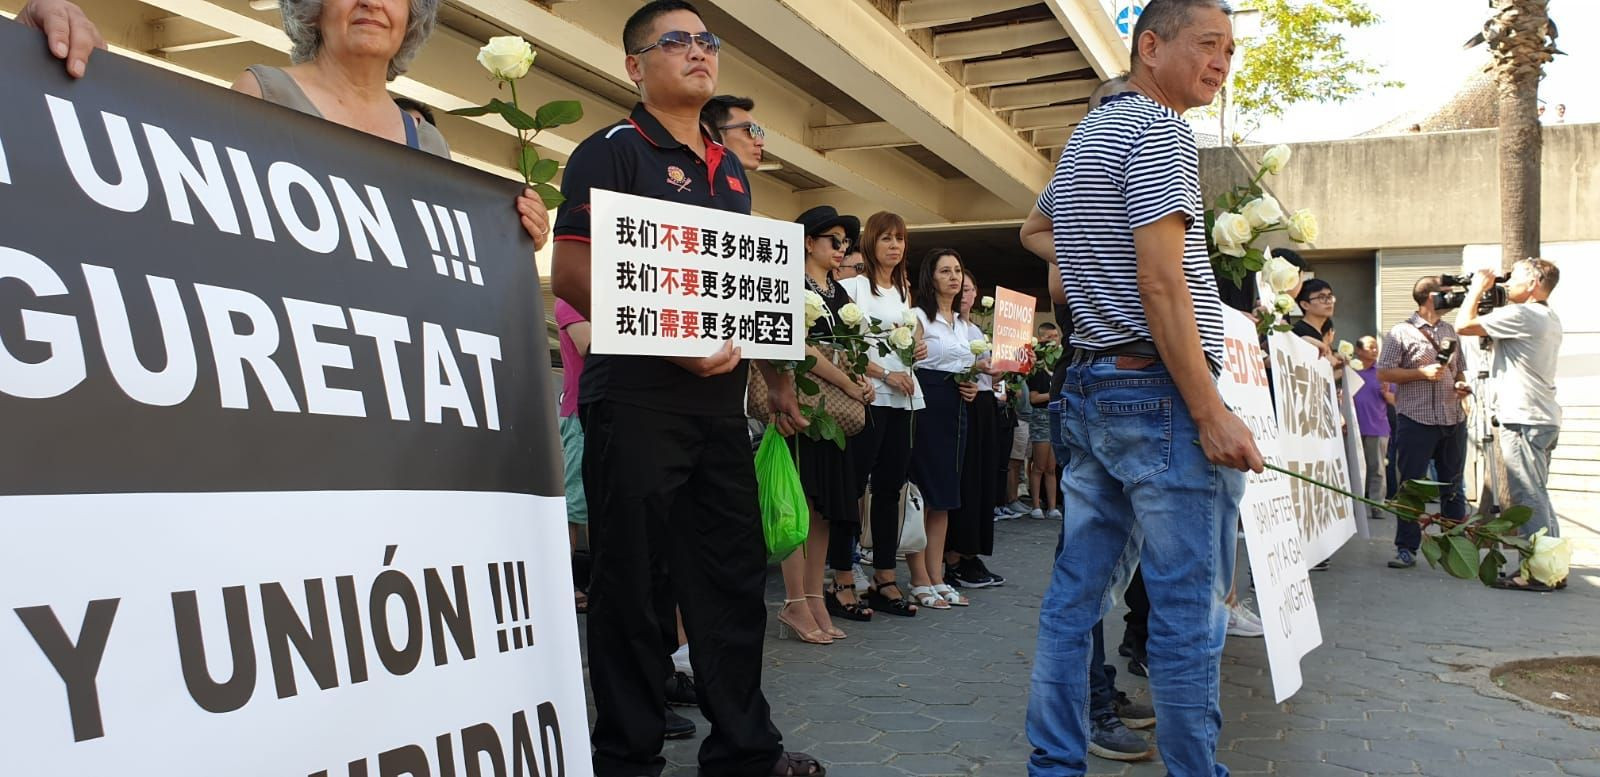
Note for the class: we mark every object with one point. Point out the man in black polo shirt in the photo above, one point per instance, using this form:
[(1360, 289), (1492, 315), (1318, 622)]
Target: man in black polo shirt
[(667, 463)]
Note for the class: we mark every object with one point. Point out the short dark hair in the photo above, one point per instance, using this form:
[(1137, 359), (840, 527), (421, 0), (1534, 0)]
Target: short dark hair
[(1424, 289), (408, 104), (1292, 257), (638, 25), (720, 109), (1043, 325), (1312, 286), (1166, 18)]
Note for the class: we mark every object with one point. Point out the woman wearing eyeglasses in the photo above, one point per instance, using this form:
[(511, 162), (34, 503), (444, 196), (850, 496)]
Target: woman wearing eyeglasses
[(825, 471)]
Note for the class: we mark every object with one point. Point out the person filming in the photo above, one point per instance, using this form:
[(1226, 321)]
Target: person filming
[(1526, 336)]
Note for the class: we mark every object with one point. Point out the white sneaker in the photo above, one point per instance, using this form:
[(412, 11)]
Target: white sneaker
[(1036, 513), (1243, 623), (1054, 515), (861, 583)]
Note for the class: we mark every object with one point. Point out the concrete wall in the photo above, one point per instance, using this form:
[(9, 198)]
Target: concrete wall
[(1421, 190)]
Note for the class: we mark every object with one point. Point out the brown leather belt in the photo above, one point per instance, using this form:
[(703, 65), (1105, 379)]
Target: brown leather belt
[(1144, 349)]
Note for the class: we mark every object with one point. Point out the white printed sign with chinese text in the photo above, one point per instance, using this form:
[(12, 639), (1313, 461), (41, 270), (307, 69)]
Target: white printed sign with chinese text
[(679, 280), (1313, 443)]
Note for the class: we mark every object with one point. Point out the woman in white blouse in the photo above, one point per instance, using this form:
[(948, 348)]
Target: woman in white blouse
[(971, 534), (936, 455), (882, 452)]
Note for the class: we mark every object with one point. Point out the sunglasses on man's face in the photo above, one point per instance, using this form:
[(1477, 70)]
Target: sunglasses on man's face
[(755, 130), (677, 42)]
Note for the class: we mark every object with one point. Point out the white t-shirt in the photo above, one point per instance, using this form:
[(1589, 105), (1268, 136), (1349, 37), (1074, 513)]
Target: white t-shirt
[(887, 308), (1526, 340), (949, 348)]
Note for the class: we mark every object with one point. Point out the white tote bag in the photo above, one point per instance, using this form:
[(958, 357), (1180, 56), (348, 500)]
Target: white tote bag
[(913, 537)]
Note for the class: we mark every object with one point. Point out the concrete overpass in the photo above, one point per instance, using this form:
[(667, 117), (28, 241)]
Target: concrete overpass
[(946, 111)]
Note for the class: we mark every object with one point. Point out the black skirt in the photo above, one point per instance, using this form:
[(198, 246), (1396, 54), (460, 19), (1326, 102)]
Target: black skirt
[(972, 526), (828, 478), (936, 456)]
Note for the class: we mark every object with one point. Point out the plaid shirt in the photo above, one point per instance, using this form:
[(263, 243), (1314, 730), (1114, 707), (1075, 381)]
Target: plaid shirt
[(1406, 347)]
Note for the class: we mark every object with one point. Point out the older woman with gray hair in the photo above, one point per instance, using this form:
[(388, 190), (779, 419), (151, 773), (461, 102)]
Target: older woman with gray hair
[(345, 53)]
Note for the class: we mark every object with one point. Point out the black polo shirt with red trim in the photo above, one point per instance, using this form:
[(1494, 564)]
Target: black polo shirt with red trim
[(638, 156)]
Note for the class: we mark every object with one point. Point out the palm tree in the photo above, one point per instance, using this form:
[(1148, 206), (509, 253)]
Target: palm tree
[(1521, 38)]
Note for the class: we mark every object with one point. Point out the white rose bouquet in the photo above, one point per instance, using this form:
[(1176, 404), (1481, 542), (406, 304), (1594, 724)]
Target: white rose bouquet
[(1245, 214), (508, 58)]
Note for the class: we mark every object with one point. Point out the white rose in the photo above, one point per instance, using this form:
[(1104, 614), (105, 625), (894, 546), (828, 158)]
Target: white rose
[(815, 307), (850, 314), (979, 346), (1550, 559), (1034, 342), (1357, 365), (987, 302), (506, 57), (1346, 350), (908, 317), (1303, 227), (1282, 274), (1284, 303), (902, 337), (1262, 212), (1276, 159), (1231, 232)]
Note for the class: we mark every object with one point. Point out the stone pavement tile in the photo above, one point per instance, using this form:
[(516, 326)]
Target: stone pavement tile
[(957, 713), (837, 732), (1506, 761), (853, 753), (1002, 769), (899, 721), (1242, 763), (1578, 745), (1580, 768), (1315, 769), (927, 765), (1322, 741), (890, 703), (1419, 750), (916, 742)]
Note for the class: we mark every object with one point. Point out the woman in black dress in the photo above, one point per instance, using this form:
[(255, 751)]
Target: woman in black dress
[(825, 471)]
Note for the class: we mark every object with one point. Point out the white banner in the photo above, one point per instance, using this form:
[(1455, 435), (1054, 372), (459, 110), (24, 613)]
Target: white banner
[(1271, 533), (1313, 444), (679, 280), (289, 634)]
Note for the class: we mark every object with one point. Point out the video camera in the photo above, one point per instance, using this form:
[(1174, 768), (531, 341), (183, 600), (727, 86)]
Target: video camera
[(1493, 297)]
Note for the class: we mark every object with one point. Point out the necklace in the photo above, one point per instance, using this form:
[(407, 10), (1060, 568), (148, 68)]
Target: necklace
[(814, 286)]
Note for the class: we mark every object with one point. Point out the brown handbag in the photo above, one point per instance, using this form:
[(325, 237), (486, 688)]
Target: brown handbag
[(848, 411)]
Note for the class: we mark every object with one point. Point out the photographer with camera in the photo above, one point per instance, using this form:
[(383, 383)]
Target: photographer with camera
[(1421, 355), (1527, 337)]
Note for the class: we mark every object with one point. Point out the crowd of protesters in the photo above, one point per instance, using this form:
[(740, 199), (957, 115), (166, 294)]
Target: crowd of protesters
[(658, 450)]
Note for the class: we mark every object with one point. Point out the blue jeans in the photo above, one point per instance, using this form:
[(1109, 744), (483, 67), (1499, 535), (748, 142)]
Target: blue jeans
[(1417, 445), (1102, 676), (1526, 450), (1136, 481)]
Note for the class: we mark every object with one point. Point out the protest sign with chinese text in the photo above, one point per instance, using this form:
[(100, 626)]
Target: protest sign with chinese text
[(1272, 535), (1313, 443), (282, 484), (679, 280), (1013, 327)]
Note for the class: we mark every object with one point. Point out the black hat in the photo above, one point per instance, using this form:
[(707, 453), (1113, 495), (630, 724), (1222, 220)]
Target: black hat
[(823, 218)]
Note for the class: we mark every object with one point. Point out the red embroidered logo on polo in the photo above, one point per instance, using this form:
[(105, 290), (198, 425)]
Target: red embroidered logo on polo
[(678, 178)]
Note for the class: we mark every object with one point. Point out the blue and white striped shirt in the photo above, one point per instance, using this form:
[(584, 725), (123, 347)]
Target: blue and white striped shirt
[(1130, 163)]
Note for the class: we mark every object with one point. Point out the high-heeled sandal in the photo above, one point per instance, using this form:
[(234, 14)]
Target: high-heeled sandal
[(838, 608), (881, 602), (830, 630), (815, 636), (927, 598)]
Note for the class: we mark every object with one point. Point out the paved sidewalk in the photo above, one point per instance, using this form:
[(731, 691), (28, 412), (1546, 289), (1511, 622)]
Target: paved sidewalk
[(1393, 689)]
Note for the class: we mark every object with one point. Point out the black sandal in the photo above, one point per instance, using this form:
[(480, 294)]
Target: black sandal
[(896, 606), (1518, 584), (798, 765), (853, 611)]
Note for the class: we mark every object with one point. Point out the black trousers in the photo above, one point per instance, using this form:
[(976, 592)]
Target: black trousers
[(882, 451), (679, 492)]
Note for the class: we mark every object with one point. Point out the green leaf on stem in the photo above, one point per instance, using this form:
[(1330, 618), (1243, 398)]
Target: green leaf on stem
[(1519, 543), (477, 110), (1432, 552), (551, 196), (806, 385), (556, 113), (1462, 559), (544, 170), (514, 115), (1517, 515), (526, 162), (1497, 526), (1489, 567)]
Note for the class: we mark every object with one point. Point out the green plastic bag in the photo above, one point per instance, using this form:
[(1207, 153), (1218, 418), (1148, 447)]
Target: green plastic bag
[(785, 519)]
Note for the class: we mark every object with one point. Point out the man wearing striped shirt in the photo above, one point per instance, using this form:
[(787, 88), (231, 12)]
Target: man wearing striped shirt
[(1157, 459)]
